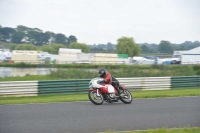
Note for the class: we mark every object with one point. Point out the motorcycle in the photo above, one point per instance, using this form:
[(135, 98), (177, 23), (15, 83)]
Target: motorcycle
[(99, 93)]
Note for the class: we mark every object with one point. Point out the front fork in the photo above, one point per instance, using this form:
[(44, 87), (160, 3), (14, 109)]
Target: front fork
[(96, 90), (98, 93)]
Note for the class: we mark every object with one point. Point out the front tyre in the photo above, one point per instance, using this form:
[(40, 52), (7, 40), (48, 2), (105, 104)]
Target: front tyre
[(98, 100), (126, 97)]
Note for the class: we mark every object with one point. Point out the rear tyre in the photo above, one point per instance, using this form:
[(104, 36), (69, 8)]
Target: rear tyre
[(126, 97), (97, 100)]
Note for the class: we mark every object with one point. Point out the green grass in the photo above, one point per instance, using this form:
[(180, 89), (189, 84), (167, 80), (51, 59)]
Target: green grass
[(44, 99), (166, 130), (167, 93), (84, 97), (29, 77), (134, 71), (5, 45)]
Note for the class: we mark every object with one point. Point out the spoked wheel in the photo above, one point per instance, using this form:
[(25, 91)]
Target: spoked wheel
[(98, 100), (126, 97)]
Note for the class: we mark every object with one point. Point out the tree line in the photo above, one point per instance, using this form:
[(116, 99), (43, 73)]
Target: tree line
[(165, 47), (22, 34), (168, 47), (25, 38)]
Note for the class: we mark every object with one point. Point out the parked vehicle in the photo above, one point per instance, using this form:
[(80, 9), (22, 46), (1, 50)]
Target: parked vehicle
[(176, 57), (99, 93), (143, 60)]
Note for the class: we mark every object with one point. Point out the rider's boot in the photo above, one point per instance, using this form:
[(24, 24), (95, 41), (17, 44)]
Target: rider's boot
[(118, 91)]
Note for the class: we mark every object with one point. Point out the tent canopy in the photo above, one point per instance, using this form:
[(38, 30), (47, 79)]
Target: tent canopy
[(193, 51)]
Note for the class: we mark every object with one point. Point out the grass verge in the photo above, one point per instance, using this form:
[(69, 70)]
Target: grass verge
[(28, 78), (84, 97), (88, 71), (166, 130)]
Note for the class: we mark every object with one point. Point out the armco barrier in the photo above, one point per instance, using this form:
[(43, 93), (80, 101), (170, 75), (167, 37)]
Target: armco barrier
[(19, 88), (147, 83), (34, 88), (185, 81), (81, 86), (63, 86)]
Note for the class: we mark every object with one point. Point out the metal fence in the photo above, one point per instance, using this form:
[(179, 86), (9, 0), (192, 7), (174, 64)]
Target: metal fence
[(147, 83), (34, 88), (185, 82), (62, 86), (19, 88)]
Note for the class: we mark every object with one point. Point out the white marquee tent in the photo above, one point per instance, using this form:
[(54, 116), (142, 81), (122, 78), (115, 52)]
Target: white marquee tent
[(191, 56)]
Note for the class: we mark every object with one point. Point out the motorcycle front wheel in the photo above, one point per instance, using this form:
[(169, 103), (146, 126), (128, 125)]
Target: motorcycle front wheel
[(97, 100), (126, 97)]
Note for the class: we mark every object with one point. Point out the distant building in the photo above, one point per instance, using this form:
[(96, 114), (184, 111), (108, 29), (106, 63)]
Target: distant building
[(104, 58), (68, 56), (25, 56), (191, 56)]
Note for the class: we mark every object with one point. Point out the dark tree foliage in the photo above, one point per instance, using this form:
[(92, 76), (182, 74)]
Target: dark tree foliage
[(165, 47), (36, 36)]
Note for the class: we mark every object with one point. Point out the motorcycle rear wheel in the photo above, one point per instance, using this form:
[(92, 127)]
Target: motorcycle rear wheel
[(97, 100), (126, 97)]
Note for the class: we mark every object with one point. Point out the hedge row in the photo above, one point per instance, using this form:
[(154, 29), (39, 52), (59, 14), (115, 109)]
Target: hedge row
[(87, 71), (151, 71), (107, 66)]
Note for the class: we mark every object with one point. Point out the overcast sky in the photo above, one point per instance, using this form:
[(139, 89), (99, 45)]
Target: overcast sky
[(102, 21)]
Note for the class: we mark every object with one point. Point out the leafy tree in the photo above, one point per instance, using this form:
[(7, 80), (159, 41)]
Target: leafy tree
[(153, 48), (1, 35), (85, 48), (36, 38), (61, 39), (96, 49), (71, 39), (46, 37), (6, 33), (17, 37), (56, 47), (23, 34), (32, 36), (187, 45), (24, 29), (110, 46), (51, 36), (145, 49), (195, 44), (102, 46), (47, 48), (128, 46), (175, 47), (53, 48), (12, 46), (26, 47), (37, 30), (165, 47)]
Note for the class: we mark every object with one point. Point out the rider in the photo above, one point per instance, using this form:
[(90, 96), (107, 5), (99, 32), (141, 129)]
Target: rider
[(109, 79)]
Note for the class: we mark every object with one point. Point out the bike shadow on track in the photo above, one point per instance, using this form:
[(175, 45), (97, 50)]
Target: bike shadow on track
[(108, 104)]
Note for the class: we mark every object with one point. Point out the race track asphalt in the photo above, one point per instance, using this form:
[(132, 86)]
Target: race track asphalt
[(85, 117)]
